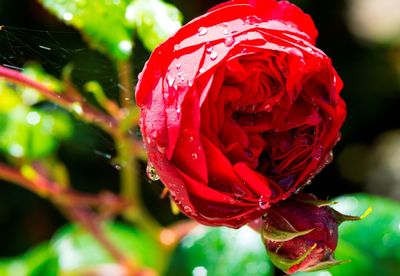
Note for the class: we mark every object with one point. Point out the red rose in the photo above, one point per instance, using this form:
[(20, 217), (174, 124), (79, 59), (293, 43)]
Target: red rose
[(239, 110)]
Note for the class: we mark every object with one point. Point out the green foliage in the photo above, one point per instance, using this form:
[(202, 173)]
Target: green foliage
[(221, 251), (27, 131), (78, 251), (108, 26), (372, 244), (36, 262), (155, 21), (73, 251), (33, 133), (102, 23)]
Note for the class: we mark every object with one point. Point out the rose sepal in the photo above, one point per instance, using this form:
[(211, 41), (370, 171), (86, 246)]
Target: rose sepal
[(274, 234), (286, 264)]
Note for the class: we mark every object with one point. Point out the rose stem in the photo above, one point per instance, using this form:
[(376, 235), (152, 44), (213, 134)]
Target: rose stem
[(130, 188), (85, 111), (46, 188), (127, 156), (124, 70)]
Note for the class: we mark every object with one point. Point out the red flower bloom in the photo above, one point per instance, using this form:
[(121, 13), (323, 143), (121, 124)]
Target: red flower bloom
[(239, 110)]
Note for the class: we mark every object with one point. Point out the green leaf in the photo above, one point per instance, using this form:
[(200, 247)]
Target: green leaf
[(220, 251), (102, 22), (33, 133), (78, 251), (372, 244), (155, 21), (8, 98), (36, 262)]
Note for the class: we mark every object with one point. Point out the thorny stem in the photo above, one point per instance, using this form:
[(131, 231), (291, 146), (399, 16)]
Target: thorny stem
[(85, 111), (74, 208)]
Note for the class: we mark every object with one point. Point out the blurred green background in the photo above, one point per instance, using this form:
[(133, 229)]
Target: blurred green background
[(361, 36)]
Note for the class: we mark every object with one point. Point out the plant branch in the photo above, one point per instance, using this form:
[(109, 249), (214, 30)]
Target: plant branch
[(124, 70), (130, 188), (72, 204), (85, 111)]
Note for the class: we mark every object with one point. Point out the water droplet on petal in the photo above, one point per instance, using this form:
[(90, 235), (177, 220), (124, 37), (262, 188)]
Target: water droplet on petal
[(178, 66), (202, 31), (263, 203), (239, 196), (187, 210), (177, 47), (226, 32), (209, 49), (318, 153), (229, 41), (309, 49), (161, 148), (151, 172), (171, 80), (190, 82), (194, 155), (214, 55)]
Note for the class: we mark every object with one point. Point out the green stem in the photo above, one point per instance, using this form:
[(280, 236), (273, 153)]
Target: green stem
[(124, 70), (130, 188)]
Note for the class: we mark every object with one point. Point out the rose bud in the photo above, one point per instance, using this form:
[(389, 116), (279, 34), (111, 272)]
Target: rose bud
[(239, 110), (301, 233)]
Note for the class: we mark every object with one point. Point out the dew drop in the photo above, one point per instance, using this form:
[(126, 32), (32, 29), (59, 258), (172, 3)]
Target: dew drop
[(171, 80), (191, 138), (252, 20), (214, 55), (263, 203), (116, 166), (309, 49), (68, 16), (190, 82), (199, 271), (202, 31), (77, 108), (161, 149), (319, 226), (229, 41), (209, 49), (187, 210), (177, 47), (125, 46), (33, 118), (151, 172), (226, 32), (178, 66), (318, 153), (267, 107), (194, 155), (239, 196)]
